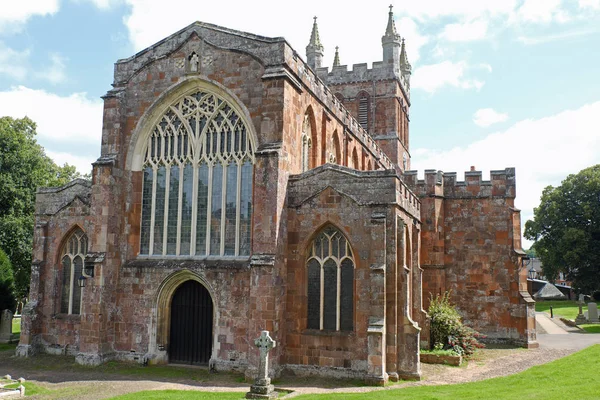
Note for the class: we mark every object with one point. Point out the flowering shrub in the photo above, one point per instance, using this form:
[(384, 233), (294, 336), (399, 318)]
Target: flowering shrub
[(447, 329)]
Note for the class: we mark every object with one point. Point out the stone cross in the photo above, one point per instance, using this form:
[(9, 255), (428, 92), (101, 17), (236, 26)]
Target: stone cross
[(194, 61), (580, 319), (264, 344), (262, 388)]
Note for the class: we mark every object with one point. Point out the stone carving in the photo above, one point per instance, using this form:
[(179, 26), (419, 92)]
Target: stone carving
[(593, 313), (262, 388), (194, 62), (180, 63)]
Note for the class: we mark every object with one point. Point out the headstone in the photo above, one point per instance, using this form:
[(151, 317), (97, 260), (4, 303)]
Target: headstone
[(6, 326), (580, 317), (262, 388), (593, 313)]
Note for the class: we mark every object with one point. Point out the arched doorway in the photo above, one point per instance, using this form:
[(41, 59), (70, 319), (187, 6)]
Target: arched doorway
[(190, 339)]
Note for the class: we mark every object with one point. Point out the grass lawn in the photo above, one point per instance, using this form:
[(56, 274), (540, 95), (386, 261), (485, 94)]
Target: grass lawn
[(569, 377), (591, 328), (16, 325), (562, 308)]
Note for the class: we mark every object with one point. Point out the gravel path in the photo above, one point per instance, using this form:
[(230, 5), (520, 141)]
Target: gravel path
[(95, 383)]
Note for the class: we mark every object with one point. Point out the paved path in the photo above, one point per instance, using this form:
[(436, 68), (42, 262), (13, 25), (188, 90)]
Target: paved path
[(558, 336), (548, 325)]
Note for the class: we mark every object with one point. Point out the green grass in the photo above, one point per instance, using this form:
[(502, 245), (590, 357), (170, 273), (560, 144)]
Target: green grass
[(562, 308), (179, 394), (591, 328), (8, 346), (16, 325), (440, 352), (31, 388), (569, 377)]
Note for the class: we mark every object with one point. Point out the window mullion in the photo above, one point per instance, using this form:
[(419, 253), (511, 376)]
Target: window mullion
[(223, 206), (339, 296), (238, 208), (152, 210), (179, 206), (72, 273), (208, 207), (194, 208), (166, 210), (322, 297)]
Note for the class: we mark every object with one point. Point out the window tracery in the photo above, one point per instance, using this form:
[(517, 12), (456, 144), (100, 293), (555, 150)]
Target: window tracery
[(330, 273), (197, 181), (72, 257), (306, 143)]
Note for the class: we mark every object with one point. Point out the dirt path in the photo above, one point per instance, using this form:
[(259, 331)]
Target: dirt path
[(115, 379)]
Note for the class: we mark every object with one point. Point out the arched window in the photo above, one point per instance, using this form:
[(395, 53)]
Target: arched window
[(337, 157), (330, 271), (197, 182), (355, 164), (72, 257), (306, 143)]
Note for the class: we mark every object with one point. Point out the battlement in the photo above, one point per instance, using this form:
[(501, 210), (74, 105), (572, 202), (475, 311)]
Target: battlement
[(502, 184), (321, 91), (361, 73)]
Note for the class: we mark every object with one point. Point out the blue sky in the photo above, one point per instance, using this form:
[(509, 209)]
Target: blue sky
[(511, 83)]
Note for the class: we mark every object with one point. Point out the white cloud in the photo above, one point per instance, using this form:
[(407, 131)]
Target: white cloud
[(82, 163), (485, 117), (15, 13), (55, 72), (414, 39), (431, 78), (462, 8), (13, 63), (533, 40), (589, 4), (70, 119), (540, 150), (466, 31), (542, 11)]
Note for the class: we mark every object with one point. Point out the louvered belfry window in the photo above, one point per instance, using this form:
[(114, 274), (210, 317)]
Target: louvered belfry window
[(73, 255), (330, 273), (197, 181), (363, 112)]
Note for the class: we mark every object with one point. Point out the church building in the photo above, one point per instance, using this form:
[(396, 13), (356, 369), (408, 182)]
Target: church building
[(240, 188)]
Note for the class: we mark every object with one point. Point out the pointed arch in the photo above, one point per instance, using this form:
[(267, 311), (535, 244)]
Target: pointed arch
[(164, 297), (72, 254), (335, 149), (309, 141), (330, 275), (355, 162), (196, 148)]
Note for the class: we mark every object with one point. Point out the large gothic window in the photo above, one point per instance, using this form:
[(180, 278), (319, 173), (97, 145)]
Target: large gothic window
[(330, 271), (197, 181), (73, 254)]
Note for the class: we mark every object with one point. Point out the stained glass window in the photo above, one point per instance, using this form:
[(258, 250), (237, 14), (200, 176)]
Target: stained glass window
[(197, 183), (330, 282)]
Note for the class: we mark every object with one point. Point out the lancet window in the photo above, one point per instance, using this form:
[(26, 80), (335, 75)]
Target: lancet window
[(330, 269), (197, 181), (306, 143), (73, 254)]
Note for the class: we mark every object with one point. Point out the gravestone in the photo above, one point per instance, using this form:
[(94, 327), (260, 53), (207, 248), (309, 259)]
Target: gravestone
[(593, 313), (262, 388), (580, 317), (6, 326)]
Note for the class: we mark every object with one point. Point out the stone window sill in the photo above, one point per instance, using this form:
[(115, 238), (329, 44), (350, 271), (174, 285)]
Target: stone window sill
[(68, 317), (324, 332)]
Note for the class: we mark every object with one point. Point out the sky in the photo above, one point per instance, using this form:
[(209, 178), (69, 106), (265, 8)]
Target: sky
[(495, 83)]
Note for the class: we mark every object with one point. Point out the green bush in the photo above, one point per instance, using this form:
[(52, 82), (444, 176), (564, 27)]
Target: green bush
[(7, 288), (447, 329)]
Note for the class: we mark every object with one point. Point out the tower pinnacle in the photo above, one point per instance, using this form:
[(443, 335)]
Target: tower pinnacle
[(391, 42), (336, 59), (314, 50)]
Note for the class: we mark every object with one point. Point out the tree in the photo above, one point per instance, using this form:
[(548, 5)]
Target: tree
[(23, 168), (566, 230), (7, 289)]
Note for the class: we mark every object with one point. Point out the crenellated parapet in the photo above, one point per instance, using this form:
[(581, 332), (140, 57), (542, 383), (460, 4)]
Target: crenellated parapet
[(502, 184), (361, 73)]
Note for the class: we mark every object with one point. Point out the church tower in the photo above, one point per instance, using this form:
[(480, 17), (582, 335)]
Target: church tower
[(314, 50)]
